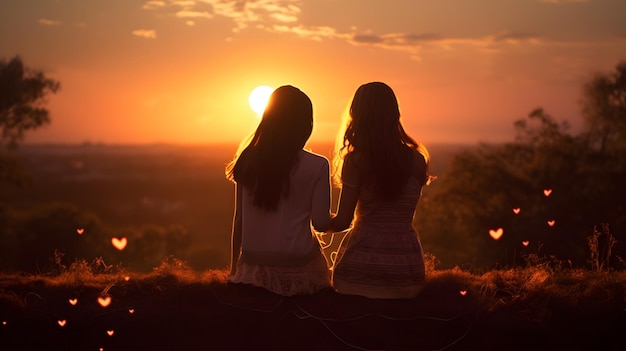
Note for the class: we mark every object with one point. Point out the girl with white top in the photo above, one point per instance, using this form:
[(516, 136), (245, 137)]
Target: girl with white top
[(282, 191)]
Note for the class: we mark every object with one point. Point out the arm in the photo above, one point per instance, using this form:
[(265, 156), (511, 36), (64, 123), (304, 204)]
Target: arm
[(236, 234), (345, 213), (349, 196), (320, 207)]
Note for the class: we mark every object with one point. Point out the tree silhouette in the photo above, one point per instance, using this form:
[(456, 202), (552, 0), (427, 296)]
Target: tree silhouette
[(584, 174), (23, 93), (22, 98), (604, 110)]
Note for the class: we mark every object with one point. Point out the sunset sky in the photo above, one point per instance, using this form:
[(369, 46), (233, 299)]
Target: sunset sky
[(135, 71)]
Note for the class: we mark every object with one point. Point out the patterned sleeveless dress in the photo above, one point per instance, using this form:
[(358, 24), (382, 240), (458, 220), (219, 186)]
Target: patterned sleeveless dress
[(381, 256)]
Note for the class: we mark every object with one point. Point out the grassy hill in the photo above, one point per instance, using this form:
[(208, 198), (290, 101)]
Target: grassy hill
[(176, 308)]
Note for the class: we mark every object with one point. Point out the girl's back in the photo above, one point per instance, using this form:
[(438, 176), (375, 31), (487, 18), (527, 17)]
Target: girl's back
[(374, 209), (286, 232)]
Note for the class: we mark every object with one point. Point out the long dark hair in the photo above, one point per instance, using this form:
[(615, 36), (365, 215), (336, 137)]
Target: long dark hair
[(267, 158), (375, 132)]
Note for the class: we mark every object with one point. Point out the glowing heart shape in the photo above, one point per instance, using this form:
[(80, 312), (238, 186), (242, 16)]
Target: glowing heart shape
[(119, 244), (62, 322), (551, 223), (104, 301), (525, 242), (73, 302), (80, 231), (547, 192), (463, 292), (496, 233), (126, 278), (517, 210), (131, 311), (110, 332)]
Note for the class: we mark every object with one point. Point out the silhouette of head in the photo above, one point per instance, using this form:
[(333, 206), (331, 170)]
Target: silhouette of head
[(287, 119), (375, 116), (374, 130), (264, 165)]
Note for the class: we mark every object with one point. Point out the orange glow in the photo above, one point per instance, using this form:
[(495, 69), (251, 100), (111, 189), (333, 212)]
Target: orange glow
[(517, 210), (525, 242), (62, 322), (547, 192), (551, 223), (179, 83), (73, 302), (80, 231)]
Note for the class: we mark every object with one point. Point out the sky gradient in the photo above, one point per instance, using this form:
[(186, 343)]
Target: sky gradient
[(170, 71)]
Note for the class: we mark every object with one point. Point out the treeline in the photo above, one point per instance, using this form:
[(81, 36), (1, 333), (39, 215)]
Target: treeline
[(50, 237), (544, 192)]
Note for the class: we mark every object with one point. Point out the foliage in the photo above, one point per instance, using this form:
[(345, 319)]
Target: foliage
[(22, 98), (23, 93), (604, 110), (601, 244), (53, 237), (583, 175)]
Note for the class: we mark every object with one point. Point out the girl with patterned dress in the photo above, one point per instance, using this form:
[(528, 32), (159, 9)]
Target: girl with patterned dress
[(382, 174)]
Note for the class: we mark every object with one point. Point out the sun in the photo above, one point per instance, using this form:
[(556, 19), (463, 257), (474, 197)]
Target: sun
[(258, 98)]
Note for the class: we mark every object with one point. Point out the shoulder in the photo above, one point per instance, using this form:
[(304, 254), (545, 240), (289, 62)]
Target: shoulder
[(352, 169), (419, 158), (313, 160), (311, 156), (354, 159), (420, 165)]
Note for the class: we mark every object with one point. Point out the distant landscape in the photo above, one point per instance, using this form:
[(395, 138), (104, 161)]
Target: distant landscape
[(132, 186)]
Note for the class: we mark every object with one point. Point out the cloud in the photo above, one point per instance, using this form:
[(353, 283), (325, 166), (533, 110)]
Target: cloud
[(193, 14), (243, 13), (563, 1), (515, 38), (413, 43), (48, 22), (151, 5), (184, 3), (312, 33), (283, 16), (394, 39), (145, 33)]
